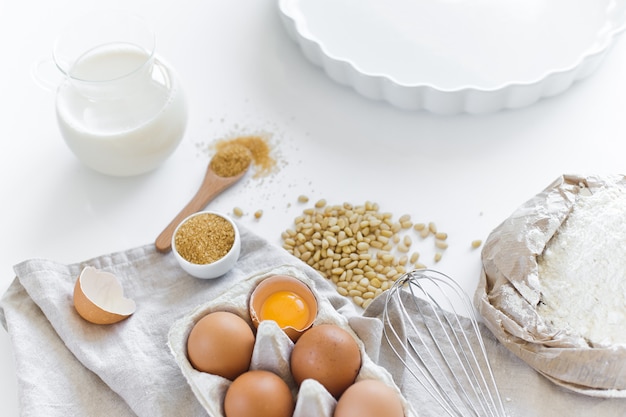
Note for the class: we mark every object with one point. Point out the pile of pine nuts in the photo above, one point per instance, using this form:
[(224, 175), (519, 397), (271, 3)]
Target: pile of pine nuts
[(360, 249)]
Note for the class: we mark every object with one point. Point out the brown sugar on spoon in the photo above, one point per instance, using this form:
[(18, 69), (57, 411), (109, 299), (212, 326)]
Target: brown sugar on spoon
[(231, 160), (258, 147)]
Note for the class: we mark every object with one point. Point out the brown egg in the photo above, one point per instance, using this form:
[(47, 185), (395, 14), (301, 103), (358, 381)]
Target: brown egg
[(221, 343), (369, 398), (258, 393), (328, 354)]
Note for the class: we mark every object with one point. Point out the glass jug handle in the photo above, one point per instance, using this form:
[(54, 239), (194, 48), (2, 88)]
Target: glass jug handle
[(45, 74)]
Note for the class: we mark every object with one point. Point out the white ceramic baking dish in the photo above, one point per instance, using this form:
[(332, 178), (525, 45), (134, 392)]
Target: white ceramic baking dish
[(451, 56)]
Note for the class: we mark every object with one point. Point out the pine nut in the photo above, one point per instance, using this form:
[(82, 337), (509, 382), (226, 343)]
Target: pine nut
[(344, 242), (354, 293), (337, 271), (418, 227), (376, 244)]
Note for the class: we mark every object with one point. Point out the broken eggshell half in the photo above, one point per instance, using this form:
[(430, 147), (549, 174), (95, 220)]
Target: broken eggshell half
[(279, 283), (99, 297)]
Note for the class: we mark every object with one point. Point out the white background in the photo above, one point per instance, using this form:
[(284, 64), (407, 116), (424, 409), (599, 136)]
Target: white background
[(242, 74)]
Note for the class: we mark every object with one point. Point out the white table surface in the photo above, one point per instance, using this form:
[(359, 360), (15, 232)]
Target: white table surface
[(243, 75)]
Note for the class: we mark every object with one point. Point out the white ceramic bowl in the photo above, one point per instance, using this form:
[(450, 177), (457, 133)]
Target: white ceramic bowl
[(451, 57), (215, 269)]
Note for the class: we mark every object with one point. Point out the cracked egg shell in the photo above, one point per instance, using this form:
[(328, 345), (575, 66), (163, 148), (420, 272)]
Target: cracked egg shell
[(286, 300), (99, 297)]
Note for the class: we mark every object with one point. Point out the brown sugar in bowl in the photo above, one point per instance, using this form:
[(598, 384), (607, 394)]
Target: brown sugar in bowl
[(206, 244)]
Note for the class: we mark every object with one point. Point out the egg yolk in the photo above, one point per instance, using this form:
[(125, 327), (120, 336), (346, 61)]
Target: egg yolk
[(286, 308)]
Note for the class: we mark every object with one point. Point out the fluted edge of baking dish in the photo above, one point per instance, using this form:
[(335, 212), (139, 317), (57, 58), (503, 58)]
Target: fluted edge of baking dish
[(428, 97)]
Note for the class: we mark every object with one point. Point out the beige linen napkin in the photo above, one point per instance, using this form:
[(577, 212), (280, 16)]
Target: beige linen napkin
[(68, 367)]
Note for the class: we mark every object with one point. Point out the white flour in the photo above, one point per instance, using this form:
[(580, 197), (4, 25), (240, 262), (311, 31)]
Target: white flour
[(583, 270)]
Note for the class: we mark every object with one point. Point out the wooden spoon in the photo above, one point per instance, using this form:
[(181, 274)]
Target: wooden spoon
[(211, 186)]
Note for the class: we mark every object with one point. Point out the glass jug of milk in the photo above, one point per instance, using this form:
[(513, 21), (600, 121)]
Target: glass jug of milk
[(120, 108)]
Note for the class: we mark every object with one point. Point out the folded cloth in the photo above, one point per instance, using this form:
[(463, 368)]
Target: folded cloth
[(69, 367)]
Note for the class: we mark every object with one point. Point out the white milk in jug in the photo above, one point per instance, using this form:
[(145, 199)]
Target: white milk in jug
[(121, 110)]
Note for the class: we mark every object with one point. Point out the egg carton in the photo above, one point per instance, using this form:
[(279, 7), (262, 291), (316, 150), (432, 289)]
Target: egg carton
[(271, 352)]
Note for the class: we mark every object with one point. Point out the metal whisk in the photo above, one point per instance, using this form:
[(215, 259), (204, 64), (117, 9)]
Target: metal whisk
[(431, 326)]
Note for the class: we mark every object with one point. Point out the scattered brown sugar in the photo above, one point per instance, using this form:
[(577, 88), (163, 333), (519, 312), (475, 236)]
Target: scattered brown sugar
[(259, 149), (205, 238), (231, 160)]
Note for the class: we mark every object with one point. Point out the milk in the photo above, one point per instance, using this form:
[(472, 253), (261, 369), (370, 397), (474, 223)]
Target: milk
[(120, 110)]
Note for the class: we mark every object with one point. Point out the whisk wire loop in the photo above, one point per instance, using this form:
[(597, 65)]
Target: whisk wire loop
[(439, 343), (414, 364)]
